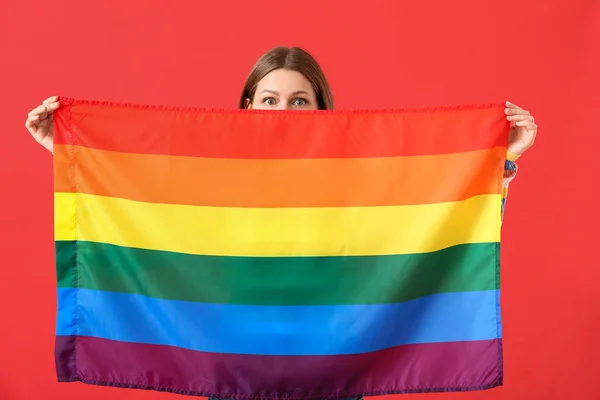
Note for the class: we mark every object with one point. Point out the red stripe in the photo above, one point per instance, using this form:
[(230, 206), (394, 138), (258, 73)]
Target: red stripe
[(279, 134), (439, 367)]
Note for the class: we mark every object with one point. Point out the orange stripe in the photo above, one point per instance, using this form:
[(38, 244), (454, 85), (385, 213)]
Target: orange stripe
[(340, 182)]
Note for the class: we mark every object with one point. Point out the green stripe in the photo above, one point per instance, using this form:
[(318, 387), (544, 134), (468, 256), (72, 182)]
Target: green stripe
[(277, 280)]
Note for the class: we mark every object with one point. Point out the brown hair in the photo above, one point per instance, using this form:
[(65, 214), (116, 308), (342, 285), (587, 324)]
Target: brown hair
[(294, 59)]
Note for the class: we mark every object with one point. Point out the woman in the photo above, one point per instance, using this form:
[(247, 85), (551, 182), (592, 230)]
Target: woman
[(290, 79)]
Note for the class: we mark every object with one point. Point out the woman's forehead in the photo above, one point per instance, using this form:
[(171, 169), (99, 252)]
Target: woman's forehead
[(284, 82)]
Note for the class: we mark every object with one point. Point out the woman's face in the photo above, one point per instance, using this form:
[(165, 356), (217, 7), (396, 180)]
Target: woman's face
[(284, 90)]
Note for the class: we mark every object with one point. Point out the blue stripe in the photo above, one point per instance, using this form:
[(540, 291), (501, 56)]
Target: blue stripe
[(279, 330)]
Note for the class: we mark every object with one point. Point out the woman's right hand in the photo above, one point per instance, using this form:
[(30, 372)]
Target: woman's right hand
[(40, 122)]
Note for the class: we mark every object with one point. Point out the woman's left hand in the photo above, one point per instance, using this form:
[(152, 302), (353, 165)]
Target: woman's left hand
[(522, 130)]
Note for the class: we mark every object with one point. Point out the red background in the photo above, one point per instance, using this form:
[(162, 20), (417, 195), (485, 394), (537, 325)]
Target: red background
[(542, 55)]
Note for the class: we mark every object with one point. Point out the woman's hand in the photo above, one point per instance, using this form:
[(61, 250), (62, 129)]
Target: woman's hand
[(522, 130), (40, 122)]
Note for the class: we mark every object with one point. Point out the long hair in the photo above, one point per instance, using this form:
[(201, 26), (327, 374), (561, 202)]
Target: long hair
[(294, 59)]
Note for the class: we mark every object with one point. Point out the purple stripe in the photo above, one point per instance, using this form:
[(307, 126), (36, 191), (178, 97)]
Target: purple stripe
[(436, 367)]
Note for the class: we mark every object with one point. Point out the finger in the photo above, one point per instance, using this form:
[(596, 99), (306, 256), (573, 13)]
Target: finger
[(520, 117), (44, 112), (41, 111), (51, 105), (52, 99), (527, 124), (34, 112), (515, 111), (511, 105), (31, 121)]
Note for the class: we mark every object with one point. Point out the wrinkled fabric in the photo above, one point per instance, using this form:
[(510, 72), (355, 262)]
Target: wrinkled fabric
[(241, 254)]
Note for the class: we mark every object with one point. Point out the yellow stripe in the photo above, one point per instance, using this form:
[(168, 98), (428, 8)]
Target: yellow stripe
[(278, 231), (65, 224)]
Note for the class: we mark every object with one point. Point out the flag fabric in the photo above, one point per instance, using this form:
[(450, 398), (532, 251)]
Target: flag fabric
[(296, 255)]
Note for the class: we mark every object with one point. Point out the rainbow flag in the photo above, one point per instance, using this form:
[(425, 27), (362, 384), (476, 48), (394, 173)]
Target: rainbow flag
[(297, 255)]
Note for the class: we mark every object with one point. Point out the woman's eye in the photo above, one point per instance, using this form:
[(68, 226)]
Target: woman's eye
[(269, 101), (299, 102)]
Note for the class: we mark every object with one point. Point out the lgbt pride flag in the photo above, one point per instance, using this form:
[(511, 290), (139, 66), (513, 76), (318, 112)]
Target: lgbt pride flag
[(297, 255)]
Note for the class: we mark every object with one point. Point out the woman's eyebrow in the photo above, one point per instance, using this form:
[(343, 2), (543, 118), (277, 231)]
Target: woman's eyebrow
[(270, 91), (297, 92)]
